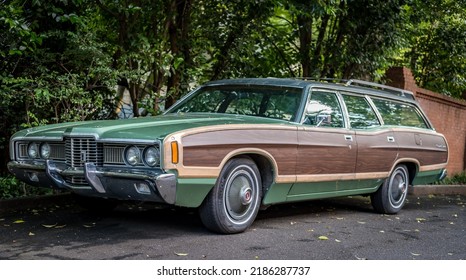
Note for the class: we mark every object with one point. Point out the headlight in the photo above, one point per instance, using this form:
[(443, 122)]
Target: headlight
[(33, 150), (132, 155), (45, 151), (151, 156)]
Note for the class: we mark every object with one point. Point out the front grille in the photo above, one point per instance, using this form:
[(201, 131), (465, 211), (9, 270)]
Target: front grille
[(76, 180), (81, 150), (113, 154)]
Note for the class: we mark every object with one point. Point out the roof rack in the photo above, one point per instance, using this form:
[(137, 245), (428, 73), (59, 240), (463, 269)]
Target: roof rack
[(393, 90), (334, 80)]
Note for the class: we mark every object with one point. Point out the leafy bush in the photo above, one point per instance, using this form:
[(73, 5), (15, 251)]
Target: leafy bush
[(456, 179), (10, 187)]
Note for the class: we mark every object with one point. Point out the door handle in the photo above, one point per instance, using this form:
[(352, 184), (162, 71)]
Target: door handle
[(391, 139), (349, 138)]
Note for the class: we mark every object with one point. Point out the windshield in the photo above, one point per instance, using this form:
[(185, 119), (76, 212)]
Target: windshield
[(270, 102)]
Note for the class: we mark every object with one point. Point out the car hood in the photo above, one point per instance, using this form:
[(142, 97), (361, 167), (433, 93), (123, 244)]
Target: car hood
[(147, 128)]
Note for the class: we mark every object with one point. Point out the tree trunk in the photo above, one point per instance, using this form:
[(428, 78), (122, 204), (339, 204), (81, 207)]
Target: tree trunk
[(305, 39), (178, 22)]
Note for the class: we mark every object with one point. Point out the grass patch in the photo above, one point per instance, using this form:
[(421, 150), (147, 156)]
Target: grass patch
[(456, 179)]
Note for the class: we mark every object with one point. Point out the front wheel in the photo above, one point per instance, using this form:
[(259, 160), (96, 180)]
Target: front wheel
[(391, 196), (234, 202)]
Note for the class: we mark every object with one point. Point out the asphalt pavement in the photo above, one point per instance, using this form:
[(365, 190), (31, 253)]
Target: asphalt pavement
[(430, 227)]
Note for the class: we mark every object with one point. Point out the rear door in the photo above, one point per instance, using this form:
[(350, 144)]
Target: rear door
[(377, 144)]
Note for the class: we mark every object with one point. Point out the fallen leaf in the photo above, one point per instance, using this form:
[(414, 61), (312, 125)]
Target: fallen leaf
[(362, 223), (18, 222), (338, 218), (50, 226), (181, 254), (60, 226), (322, 237), (2, 219), (31, 234), (89, 225), (338, 241), (420, 220), (292, 223), (415, 254), (382, 231)]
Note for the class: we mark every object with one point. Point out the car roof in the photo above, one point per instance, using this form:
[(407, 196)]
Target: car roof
[(354, 86)]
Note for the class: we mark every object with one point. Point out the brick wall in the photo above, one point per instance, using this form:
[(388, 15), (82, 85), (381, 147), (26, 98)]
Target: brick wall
[(448, 115)]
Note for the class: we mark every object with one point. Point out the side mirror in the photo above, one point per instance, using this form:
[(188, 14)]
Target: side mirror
[(323, 119)]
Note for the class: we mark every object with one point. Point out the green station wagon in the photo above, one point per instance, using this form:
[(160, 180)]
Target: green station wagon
[(231, 147)]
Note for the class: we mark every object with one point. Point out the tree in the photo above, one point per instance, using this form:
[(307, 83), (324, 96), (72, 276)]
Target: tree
[(437, 51)]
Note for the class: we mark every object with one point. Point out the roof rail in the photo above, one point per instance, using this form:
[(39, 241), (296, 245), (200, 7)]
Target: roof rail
[(393, 90), (334, 80)]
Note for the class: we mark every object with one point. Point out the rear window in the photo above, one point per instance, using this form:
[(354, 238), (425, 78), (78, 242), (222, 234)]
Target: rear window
[(399, 114)]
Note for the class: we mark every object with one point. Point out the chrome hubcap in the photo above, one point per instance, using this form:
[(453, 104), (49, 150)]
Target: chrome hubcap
[(241, 195), (399, 187), (245, 195)]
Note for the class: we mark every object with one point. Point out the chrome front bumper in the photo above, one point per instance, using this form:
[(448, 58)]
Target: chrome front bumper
[(123, 184)]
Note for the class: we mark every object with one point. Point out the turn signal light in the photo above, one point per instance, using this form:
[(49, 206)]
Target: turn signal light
[(175, 155)]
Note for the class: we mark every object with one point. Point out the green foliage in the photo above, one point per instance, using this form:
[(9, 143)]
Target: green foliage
[(436, 51), (10, 187), (456, 179)]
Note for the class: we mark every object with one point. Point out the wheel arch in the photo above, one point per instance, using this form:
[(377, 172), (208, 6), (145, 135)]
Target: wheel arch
[(411, 164), (265, 163)]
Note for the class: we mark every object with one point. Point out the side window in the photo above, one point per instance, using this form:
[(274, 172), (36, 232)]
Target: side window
[(323, 110), (360, 112), (394, 113)]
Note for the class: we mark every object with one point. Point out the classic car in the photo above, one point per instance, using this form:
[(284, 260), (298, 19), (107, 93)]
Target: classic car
[(231, 147)]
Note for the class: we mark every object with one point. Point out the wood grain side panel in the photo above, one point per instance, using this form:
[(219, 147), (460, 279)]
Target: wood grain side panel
[(209, 149), (326, 152), (213, 156), (428, 149), (375, 152)]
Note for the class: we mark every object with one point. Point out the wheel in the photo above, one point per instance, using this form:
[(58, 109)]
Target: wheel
[(234, 202), (391, 196)]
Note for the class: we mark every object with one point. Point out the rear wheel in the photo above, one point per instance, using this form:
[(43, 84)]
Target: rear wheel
[(234, 202), (391, 196)]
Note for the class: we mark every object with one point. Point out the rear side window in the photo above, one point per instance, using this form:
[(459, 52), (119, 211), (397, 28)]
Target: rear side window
[(360, 113), (394, 113)]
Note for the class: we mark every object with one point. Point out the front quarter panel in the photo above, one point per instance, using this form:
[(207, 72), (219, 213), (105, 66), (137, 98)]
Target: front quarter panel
[(204, 151)]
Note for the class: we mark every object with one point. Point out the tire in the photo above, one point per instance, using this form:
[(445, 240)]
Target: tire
[(391, 195), (233, 203)]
